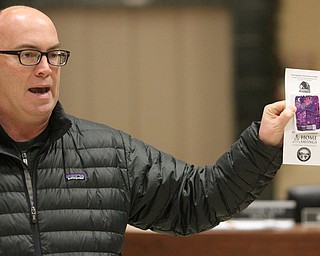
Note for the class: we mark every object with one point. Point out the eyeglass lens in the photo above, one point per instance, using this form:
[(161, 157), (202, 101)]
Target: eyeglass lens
[(32, 57)]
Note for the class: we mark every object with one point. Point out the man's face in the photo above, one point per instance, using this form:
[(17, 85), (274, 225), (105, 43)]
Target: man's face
[(21, 99)]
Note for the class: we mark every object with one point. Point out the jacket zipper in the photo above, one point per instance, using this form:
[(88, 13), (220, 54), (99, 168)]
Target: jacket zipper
[(33, 210), (28, 180)]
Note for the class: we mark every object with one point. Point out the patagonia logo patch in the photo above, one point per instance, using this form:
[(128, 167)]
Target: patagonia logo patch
[(76, 176)]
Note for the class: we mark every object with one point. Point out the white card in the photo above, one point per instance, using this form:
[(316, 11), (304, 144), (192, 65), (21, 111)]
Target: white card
[(301, 137)]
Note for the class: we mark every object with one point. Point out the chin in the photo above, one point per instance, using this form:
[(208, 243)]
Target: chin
[(44, 110)]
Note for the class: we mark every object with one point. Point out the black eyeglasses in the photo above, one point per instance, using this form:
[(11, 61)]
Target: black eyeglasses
[(33, 57)]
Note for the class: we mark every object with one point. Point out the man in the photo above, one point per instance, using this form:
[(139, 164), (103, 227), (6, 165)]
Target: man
[(69, 186)]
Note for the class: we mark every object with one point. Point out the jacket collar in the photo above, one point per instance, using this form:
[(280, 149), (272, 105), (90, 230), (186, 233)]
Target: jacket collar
[(59, 123)]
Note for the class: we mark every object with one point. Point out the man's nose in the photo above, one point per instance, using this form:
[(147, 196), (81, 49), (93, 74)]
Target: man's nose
[(43, 67)]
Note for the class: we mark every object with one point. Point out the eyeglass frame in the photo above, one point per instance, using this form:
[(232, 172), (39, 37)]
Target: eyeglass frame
[(18, 53)]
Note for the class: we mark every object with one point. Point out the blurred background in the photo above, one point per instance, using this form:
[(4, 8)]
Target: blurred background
[(185, 76)]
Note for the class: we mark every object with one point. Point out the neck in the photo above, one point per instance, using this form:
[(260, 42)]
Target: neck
[(24, 132)]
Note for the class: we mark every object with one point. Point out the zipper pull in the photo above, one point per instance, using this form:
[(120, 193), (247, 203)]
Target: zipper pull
[(25, 158), (33, 214)]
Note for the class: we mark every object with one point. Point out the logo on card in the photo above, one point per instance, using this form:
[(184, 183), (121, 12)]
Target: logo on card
[(304, 87), (76, 176), (304, 154)]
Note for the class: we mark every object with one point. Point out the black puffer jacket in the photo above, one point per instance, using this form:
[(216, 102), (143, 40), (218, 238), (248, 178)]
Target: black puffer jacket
[(88, 181)]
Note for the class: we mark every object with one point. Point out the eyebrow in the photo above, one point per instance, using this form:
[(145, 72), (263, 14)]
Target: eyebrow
[(31, 46)]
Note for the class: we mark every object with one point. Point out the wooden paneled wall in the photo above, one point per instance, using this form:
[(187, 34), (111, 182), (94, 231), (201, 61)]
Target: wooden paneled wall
[(161, 74)]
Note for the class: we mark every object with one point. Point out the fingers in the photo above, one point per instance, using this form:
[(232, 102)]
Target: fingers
[(279, 111), (274, 119), (286, 115), (276, 107)]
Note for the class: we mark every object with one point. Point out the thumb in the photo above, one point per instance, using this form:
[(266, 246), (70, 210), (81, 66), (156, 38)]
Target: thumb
[(286, 115)]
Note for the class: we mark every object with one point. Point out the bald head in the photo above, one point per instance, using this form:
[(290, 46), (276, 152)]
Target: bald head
[(22, 24), (20, 10)]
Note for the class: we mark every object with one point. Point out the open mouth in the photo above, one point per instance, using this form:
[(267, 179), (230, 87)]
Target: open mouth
[(39, 90)]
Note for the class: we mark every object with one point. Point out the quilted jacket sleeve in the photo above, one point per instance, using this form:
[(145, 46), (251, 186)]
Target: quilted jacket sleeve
[(171, 196)]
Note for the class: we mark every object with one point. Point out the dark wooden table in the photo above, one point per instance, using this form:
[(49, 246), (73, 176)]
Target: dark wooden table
[(298, 240)]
